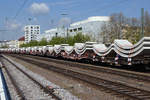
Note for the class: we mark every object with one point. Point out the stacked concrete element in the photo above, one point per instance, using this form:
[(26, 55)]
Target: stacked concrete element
[(120, 52)]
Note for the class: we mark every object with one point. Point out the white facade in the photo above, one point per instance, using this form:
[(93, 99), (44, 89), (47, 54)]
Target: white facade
[(4, 43), (13, 44), (48, 34), (31, 32), (91, 26)]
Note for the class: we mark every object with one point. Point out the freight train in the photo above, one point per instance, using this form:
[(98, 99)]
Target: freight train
[(120, 52)]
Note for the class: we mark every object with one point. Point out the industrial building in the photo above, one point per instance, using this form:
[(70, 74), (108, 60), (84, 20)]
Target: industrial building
[(91, 26), (48, 34)]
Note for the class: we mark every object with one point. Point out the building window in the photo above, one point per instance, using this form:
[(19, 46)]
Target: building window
[(31, 27), (80, 29), (71, 30), (75, 30)]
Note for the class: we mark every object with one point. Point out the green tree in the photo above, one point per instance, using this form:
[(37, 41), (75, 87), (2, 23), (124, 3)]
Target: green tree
[(42, 42), (5, 46), (33, 43), (80, 38), (70, 40), (57, 40)]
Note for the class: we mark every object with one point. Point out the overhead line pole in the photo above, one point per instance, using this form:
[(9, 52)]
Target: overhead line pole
[(142, 22)]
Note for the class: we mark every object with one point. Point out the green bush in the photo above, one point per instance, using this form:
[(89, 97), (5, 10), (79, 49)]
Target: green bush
[(30, 44)]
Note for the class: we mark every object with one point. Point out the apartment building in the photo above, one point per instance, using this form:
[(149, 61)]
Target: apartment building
[(31, 32)]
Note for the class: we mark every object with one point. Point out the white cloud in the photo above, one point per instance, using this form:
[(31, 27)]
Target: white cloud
[(13, 25), (39, 8)]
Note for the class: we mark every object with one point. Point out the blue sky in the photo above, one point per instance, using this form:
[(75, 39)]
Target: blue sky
[(48, 13)]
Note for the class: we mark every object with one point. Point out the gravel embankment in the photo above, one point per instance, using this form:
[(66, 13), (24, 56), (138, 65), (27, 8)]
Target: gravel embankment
[(62, 93), (30, 90)]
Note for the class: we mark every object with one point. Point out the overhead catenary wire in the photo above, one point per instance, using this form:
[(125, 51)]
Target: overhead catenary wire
[(103, 8), (15, 16), (111, 5), (20, 9), (17, 13)]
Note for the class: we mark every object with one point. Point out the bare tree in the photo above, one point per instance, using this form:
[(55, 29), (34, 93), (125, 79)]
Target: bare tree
[(121, 27), (134, 22), (113, 29), (147, 23)]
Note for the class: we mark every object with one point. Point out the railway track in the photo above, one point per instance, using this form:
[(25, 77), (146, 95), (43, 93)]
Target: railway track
[(114, 87), (19, 91), (131, 75), (4, 94)]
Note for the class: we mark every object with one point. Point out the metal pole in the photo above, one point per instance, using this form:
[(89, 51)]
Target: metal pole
[(142, 22), (67, 33)]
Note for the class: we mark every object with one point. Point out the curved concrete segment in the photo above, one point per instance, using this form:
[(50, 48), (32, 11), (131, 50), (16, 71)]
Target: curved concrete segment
[(120, 47), (68, 49), (57, 48), (80, 48)]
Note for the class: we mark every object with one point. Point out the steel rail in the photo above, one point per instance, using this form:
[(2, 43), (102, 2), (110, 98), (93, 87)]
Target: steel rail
[(14, 83), (46, 89), (94, 68), (119, 88)]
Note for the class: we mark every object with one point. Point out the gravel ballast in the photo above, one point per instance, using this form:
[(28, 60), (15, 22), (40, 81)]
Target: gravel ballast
[(30, 90), (11, 88), (62, 93), (80, 89)]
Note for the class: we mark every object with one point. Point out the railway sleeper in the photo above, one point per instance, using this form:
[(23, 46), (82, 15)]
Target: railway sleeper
[(130, 96), (118, 88), (125, 91), (86, 78), (144, 98), (46, 90), (142, 95)]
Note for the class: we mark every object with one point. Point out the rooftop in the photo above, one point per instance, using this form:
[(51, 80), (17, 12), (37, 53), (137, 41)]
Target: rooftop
[(92, 19), (21, 39), (51, 30), (31, 25)]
